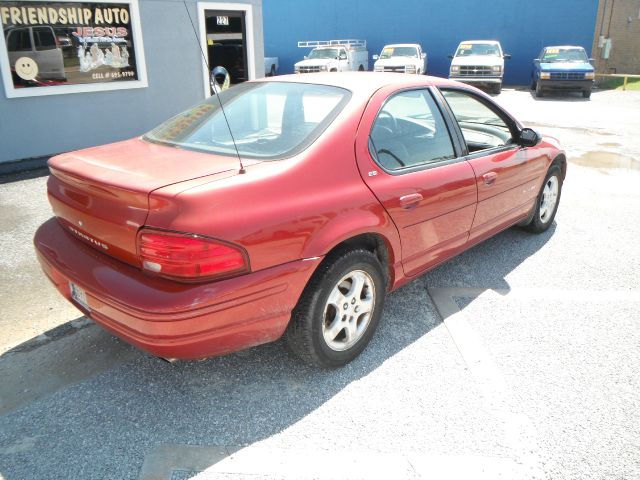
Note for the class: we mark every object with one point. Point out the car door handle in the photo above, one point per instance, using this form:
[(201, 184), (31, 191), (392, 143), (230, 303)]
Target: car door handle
[(490, 178), (410, 201)]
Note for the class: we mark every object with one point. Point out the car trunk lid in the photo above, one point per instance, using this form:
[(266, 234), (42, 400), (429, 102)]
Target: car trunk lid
[(101, 195)]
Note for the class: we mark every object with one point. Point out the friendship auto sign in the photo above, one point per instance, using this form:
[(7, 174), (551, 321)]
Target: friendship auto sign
[(66, 46)]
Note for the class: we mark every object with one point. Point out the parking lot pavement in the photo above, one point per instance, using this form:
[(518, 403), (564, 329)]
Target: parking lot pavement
[(518, 359)]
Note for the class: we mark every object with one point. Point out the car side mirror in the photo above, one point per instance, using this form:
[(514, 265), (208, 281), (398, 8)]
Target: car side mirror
[(342, 57), (529, 137), (507, 56), (450, 56), (536, 60), (305, 57), (375, 57), (591, 60), (423, 55)]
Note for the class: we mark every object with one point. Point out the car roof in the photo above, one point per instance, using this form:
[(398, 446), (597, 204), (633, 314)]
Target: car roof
[(365, 83)]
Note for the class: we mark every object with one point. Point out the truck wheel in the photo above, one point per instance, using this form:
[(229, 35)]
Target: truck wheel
[(339, 310), (533, 84), (333, 70), (539, 92), (361, 68), (586, 93), (273, 71), (497, 89)]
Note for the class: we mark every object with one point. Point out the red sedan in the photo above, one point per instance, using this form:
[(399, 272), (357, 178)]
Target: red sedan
[(296, 215)]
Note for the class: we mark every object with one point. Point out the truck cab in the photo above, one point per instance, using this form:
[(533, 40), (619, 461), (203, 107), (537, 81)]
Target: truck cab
[(479, 63), (562, 68), (401, 58), (334, 56)]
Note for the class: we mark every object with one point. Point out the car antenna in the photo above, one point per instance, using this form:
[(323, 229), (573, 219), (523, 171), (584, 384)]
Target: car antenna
[(215, 89)]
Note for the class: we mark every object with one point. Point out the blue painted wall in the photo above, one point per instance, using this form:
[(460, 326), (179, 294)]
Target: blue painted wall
[(522, 28)]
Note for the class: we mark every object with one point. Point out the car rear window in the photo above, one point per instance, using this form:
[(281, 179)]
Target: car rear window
[(268, 121)]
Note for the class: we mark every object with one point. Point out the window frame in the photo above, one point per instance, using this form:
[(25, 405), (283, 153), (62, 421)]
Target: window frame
[(514, 126), (448, 121)]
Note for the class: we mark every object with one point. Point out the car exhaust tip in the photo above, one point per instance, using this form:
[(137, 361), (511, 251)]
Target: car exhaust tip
[(168, 360)]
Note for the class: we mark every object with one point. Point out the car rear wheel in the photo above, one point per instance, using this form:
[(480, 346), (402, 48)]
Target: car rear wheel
[(339, 309), (547, 202)]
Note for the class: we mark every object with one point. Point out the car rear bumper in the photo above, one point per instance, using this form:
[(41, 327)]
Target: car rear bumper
[(566, 84), (478, 80), (170, 319)]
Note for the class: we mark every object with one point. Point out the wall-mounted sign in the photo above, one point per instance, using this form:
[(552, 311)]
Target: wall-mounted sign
[(67, 47), (221, 20)]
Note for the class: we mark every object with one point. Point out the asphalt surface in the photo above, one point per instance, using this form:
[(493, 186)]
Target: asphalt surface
[(518, 359)]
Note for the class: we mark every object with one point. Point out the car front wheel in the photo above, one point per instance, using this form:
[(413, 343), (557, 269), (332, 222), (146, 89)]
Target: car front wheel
[(547, 202), (339, 309), (539, 92), (586, 93)]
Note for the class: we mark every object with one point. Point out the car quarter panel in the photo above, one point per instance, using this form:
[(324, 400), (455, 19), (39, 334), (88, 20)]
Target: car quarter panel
[(285, 210)]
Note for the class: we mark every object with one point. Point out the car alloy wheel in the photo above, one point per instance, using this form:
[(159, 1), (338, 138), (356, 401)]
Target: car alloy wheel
[(339, 310), (348, 310), (549, 199)]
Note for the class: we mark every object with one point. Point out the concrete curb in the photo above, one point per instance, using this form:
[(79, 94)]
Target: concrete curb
[(25, 165)]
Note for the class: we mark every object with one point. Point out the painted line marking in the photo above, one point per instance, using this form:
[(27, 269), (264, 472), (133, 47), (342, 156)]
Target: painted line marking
[(519, 433)]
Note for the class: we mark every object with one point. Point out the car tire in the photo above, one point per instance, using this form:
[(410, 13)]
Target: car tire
[(547, 201), (339, 309), (361, 68), (497, 89), (273, 71), (533, 84), (539, 92), (586, 93)]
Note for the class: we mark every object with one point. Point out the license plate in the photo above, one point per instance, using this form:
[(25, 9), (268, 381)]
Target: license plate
[(79, 295)]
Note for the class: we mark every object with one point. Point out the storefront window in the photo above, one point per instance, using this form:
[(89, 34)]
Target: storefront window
[(65, 47)]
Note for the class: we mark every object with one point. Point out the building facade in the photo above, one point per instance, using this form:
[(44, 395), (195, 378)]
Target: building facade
[(522, 28), (91, 90), (616, 45)]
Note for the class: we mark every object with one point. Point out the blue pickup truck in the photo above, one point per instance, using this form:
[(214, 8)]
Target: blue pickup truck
[(562, 68)]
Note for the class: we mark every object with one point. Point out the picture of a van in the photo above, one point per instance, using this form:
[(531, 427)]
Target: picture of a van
[(41, 45)]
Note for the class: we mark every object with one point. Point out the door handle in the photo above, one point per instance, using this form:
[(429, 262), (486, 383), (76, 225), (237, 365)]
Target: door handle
[(490, 178), (410, 201)]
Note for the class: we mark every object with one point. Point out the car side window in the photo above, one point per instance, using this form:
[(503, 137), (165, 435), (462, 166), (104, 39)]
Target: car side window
[(409, 131), (481, 126), (19, 40)]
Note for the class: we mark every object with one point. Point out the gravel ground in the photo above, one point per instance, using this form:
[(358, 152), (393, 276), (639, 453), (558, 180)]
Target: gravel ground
[(556, 315)]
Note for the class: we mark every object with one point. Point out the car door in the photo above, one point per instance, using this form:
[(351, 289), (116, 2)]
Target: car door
[(507, 174), (48, 54), (412, 164)]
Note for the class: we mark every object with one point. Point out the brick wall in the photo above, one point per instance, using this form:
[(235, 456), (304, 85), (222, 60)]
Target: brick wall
[(618, 20)]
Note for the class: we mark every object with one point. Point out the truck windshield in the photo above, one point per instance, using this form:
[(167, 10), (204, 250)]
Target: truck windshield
[(466, 49), (556, 55), (269, 120), (324, 53), (389, 52)]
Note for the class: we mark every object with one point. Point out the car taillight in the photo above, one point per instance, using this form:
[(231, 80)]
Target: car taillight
[(189, 257)]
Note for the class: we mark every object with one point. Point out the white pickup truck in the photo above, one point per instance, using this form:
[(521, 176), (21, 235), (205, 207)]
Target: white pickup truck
[(479, 63), (270, 66), (401, 58), (334, 56)]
